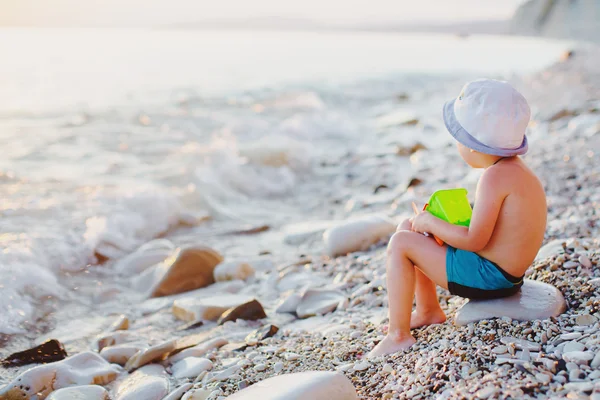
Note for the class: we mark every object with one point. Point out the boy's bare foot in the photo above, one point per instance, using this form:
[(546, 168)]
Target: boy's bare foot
[(424, 318), (391, 345)]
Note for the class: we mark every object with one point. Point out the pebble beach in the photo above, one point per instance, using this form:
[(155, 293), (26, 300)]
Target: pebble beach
[(320, 311)]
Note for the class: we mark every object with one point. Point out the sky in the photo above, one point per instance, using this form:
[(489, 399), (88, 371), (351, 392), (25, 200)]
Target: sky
[(164, 12)]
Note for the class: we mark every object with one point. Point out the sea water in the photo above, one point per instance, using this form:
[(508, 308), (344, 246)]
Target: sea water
[(111, 138)]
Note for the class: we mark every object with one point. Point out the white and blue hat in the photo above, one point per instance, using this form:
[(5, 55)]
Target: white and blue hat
[(490, 117)]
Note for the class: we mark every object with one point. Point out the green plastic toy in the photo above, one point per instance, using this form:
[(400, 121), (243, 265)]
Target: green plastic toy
[(451, 205)]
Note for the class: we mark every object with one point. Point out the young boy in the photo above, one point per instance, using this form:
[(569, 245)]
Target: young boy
[(489, 258)]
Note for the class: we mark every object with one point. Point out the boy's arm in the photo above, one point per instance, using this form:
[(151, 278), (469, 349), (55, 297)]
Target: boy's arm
[(489, 199)]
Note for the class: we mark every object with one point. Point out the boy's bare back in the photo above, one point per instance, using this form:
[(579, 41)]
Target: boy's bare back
[(519, 230)]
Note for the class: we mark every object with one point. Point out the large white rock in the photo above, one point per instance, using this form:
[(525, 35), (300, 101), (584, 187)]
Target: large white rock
[(121, 353), (311, 385), (82, 369), (191, 367), (550, 249), (148, 383), (207, 308), (318, 302), (232, 270), (535, 300), (185, 270), (86, 392), (358, 234)]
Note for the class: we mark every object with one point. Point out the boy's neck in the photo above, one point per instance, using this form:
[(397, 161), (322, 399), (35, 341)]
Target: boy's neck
[(493, 160)]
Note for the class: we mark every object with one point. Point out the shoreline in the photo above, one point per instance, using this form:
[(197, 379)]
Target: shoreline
[(570, 175)]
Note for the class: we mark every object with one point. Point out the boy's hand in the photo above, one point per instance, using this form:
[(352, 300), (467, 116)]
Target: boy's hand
[(421, 222)]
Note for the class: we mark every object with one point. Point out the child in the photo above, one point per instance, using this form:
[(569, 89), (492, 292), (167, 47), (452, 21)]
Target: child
[(489, 258)]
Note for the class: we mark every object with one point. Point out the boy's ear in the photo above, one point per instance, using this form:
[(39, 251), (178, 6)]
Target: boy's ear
[(472, 151)]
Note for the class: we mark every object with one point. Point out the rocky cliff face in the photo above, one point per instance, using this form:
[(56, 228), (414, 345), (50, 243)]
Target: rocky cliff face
[(566, 19)]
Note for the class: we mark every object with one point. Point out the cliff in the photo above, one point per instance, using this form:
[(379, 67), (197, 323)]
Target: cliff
[(565, 19)]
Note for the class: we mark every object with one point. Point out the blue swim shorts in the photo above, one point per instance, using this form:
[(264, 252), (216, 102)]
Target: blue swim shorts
[(474, 277)]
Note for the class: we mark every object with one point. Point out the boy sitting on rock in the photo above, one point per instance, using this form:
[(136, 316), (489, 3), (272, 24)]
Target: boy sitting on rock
[(488, 259)]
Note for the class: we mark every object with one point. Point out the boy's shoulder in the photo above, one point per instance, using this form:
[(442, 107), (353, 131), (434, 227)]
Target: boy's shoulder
[(504, 176)]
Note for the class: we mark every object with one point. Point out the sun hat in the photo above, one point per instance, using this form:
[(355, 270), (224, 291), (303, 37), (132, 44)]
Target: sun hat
[(490, 117)]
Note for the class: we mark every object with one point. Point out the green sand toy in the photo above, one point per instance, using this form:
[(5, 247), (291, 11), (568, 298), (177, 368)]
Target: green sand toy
[(451, 205)]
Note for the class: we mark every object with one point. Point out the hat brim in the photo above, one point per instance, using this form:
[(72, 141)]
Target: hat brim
[(463, 137)]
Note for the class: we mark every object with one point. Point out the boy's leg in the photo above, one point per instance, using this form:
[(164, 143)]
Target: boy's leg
[(428, 309), (404, 251)]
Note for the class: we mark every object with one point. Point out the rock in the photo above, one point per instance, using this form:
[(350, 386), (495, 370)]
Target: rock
[(197, 394), (596, 361), (361, 366), (499, 350), (115, 338), (191, 367), (278, 367), (87, 392), (250, 311), (578, 357), (550, 249), (232, 270), (261, 334), (543, 378), (121, 353), (573, 346), (535, 300), (148, 383), (311, 385), (120, 324), (191, 325), (521, 344), (299, 233), (198, 350), (138, 261), (585, 320), (406, 151), (260, 367), (179, 392), (290, 304), (163, 350), (207, 308), (486, 392), (357, 235), (571, 336), (583, 260), (318, 302), (186, 270), (226, 373), (47, 352), (82, 369)]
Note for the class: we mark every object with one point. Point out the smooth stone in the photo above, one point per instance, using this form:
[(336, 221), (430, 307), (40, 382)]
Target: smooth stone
[(289, 304), (358, 234), (260, 367), (578, 357), (232, 270), (302, 232), (486, 392), (149, 383), (120, 324), (114, 338), (47, 352), (261, 334), (226, 373), (585, 320), (535, 301), (250, 311), (583, 260), (188, 269), (543, 378), (571, 336), (37, 383), (179, 392), (573, 346), (311, 385), (138, 261), (207, 308), (86, 392), (361, 366), (580, 386), (550, 249), (318, 302), (121, 353), (278, 367), (161, 351), (521, 344), (596, 361), (500, 349), (197, 394), (191, 367), (199, 350)]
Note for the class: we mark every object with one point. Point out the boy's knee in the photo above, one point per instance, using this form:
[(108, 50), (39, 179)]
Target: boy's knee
[(399, 242), (405, 225)]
